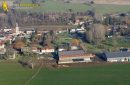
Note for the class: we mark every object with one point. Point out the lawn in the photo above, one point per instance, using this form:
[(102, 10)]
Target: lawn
[(12, 73), (52, 6), (63, 38), (121, 42)]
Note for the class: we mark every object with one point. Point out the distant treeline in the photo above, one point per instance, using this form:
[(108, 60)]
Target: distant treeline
[(27, 18)]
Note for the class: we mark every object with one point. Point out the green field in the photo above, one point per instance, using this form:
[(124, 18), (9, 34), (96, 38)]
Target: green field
[(63, 38), (52, 6), (12, 73)]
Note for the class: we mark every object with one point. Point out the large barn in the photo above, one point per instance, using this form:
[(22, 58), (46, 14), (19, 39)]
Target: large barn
[(76, 56), (117, 56)]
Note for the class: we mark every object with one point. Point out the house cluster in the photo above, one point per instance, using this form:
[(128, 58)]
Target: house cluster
[(82, 22), (44, 50), (6, 35), (117, 22), (11, 34), (75, 54)]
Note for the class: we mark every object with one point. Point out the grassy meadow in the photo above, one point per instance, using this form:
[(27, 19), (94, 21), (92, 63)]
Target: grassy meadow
[(12, 73)]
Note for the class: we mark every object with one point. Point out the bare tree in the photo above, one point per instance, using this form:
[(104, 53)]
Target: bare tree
[(96, 33)]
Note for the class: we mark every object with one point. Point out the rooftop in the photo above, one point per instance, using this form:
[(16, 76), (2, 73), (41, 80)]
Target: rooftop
[(47, 47), (76, 53), (117, 54)]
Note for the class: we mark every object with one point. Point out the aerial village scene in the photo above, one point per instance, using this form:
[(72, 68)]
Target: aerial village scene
[(64, 42)]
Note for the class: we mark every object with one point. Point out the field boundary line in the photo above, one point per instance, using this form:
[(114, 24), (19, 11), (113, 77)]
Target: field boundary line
[(35, 74)]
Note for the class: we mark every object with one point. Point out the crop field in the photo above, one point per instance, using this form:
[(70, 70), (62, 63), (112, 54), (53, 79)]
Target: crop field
[(53, 6), (12, 73)]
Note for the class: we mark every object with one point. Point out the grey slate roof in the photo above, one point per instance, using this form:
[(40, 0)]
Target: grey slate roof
[(117, 54)]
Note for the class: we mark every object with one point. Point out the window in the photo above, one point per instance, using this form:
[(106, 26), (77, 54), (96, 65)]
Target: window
[(79, 59)]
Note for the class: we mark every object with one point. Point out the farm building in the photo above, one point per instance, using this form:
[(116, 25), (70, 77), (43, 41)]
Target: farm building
[(47, 49), (75, 44), (123, 56), (76, 56), (44, 50)]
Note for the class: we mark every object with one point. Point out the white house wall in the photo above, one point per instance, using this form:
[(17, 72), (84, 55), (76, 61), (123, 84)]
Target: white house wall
[(48, 51), (122, 59), (70, 60)]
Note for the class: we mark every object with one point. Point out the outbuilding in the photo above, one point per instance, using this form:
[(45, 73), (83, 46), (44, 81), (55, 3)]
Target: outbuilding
[(76, 56), (122, 56)]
